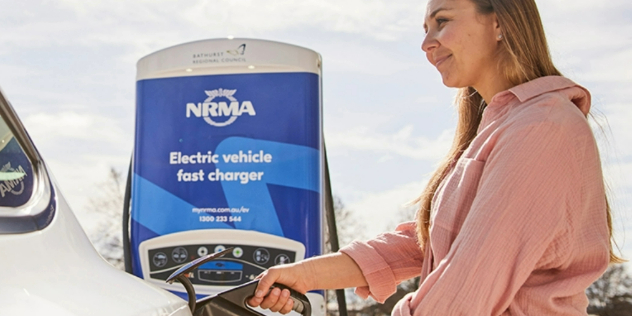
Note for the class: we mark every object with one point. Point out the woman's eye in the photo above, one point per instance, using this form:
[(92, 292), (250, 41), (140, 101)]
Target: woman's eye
[(440, 21)]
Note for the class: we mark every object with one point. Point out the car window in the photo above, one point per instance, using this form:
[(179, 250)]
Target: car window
[(16, 171)]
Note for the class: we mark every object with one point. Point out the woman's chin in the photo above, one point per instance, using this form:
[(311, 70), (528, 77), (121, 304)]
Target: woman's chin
[(451, 82)]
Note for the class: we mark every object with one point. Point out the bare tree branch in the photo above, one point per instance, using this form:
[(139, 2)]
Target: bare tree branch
[(108, 204), (611, 294)]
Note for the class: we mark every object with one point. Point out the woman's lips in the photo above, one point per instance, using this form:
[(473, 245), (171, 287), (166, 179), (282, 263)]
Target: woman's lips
[(441, 60)]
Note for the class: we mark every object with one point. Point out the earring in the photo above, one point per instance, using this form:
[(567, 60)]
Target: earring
[(500, 36)]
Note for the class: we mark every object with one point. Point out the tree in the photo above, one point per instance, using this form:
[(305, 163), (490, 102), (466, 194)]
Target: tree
[(611, 294), (349, 230), (347, 225), (107, 238)]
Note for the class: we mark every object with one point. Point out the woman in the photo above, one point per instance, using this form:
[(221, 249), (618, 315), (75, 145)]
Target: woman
[(515, 220)]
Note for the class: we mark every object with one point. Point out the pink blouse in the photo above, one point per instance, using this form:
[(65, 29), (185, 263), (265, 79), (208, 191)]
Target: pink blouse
[(518, 227)]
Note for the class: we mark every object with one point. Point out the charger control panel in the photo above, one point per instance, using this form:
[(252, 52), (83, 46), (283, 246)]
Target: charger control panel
[(253, 252)]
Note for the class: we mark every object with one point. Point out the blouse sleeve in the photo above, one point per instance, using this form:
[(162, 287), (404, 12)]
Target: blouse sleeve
[(519, 214), (386, 261)]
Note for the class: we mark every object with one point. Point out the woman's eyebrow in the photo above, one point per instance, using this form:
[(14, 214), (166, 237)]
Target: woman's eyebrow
[(432, 15)]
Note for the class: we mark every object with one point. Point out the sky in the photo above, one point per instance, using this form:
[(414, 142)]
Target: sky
[(68, 67)]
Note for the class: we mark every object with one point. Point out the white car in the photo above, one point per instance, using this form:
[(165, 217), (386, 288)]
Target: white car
[(47, 264)]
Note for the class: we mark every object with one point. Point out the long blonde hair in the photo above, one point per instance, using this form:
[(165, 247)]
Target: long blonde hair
[(524, 56)]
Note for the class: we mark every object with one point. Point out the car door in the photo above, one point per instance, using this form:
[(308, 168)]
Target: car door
[(47, 264)]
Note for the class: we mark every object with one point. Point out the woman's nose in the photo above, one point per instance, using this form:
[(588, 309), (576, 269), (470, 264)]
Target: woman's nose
[(429, 43)]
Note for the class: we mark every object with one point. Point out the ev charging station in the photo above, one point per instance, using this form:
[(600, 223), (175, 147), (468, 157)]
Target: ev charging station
[(228, 153)]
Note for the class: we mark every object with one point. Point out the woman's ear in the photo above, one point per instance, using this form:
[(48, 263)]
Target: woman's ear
[(496, 25)]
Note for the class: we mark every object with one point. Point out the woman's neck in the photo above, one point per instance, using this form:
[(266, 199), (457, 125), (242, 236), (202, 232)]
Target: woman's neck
[(489, 87)]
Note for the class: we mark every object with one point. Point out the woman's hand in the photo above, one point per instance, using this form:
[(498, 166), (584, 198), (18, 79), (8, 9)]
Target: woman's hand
[(332, 271), (294, 276)]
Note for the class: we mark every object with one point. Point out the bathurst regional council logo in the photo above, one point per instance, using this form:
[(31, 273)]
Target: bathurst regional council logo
[(220, 112)]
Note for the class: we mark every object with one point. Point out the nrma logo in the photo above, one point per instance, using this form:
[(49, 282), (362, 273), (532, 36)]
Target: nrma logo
[(220, 113), (15, 186)]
